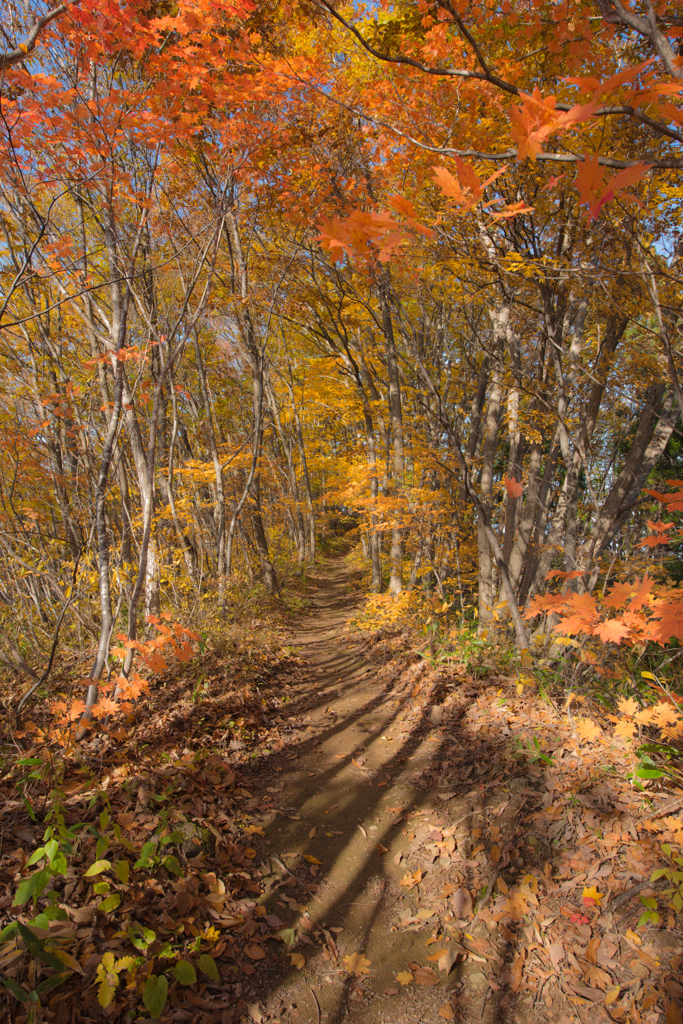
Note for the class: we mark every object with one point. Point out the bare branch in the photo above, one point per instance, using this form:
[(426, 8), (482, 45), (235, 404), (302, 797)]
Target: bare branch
[(22, 51)]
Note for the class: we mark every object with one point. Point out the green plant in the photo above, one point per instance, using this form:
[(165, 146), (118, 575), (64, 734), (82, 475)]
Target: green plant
[(532, 750), (18, 938), (674, 893)]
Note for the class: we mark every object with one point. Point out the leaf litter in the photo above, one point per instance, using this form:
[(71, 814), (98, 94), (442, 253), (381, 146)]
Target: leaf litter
[(510, 884)]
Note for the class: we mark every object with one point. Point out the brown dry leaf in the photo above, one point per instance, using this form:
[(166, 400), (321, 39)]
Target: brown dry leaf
[(382, 849), (502, 885), (556, 953), (357, 964), (404, 978), (448, 959), (409, 880), (673, 1013), (297, 960), (312, 834), (437, 956), (426, 976), (446, 1012), (597, 978), (255, 952), (518, 970), (592, 949), (671, 986), (461, 903), (495, 854)]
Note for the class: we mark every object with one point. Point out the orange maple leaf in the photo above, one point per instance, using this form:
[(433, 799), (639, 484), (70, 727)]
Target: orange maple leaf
[(513, 487), (612, 631)]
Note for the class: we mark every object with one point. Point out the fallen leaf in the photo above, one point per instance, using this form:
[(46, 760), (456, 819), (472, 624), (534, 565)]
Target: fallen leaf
[(312, 834), (311, 859), (448, 958), (382, 849), (518, 970), (591, 896), (446, 1012), (426, 976), (404, 978), (597, 978), (357, 964), (297, 960), (255, 952), (461, 903), (673, 1013)]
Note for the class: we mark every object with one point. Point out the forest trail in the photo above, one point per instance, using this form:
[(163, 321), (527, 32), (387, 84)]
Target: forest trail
[(375, 851)]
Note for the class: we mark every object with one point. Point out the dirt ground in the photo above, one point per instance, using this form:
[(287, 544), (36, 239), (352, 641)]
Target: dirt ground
[(427, 871)]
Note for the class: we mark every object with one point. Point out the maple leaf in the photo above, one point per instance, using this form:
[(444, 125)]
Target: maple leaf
[(105, 706), (612, 631), (357, 964), (629, 176), (513, 487), (667, 623), (628, 705), (405, 978), (561, 574), (582, 613), (64, 712), (588, 730), (591, 897)]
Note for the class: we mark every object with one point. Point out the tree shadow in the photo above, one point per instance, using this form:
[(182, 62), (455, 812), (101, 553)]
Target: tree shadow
[(411, 819)]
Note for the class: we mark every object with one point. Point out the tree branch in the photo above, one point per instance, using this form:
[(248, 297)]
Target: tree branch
[(22, 51)]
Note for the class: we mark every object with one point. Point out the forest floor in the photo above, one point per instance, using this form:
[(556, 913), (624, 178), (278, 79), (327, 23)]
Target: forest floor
[(432, 872), (378, 839)]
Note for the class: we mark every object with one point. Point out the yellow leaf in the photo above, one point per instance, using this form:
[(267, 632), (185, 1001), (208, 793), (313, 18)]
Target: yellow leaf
[(611, 995), (297, 960), (633, 937), (409, 880), (625, 729), (627, 706), (588, 730), (404, 977), (591, 894), (446, 1011), (311, 860), (648, 675), (357, 964)]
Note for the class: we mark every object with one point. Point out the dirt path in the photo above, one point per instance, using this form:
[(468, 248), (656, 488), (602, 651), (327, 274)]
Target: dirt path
[(409, 854)]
